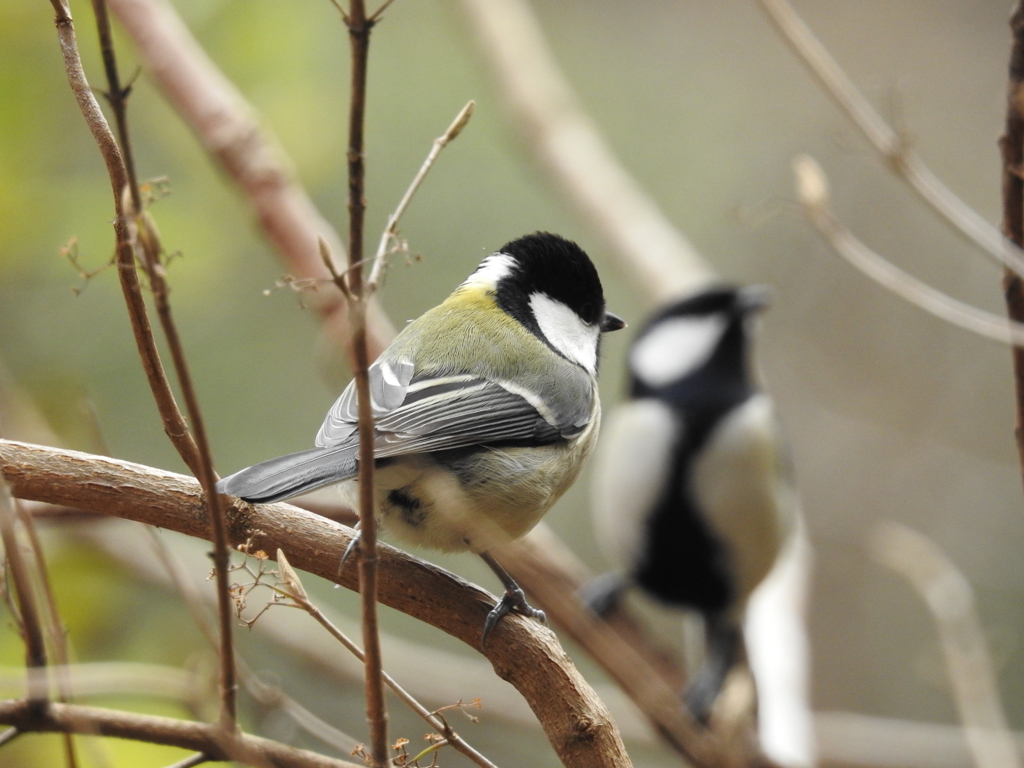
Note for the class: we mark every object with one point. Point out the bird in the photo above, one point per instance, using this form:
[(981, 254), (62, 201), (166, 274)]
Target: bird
[(485, 410), (693, 495)]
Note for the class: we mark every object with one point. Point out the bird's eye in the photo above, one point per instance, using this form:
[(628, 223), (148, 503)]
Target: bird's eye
[(587, 311)]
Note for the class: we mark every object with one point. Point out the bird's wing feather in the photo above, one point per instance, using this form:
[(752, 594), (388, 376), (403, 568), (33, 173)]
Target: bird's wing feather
[(442, 412)]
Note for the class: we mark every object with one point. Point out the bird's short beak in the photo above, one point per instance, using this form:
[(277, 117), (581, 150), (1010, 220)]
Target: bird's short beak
[(612, 322), (754, 298)]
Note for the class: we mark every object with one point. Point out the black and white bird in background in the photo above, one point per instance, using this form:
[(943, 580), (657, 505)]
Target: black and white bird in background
[(485, 409), (694, 497)]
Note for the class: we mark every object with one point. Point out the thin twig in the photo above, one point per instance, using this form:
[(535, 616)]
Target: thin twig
[(359, 27), (9, 735), (812, 192), (899, 157), (571, 149), (297, 593), (1011, 145), (229, 129), (200, 737), (190, 762), (268, 695), (951, 600), (31, 626), (391, 230), (145, 242), (174, 423), (575, 720), (57, 630)]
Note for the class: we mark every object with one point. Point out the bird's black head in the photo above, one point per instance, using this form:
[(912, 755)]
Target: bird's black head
[(694, 352), (550, 285)]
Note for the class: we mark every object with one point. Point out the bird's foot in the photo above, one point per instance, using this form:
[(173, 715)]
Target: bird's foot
[(352, 547), (513, 600)]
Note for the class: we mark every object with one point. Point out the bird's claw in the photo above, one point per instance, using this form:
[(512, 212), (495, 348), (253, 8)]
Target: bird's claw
[(352, 546), (512, 600)]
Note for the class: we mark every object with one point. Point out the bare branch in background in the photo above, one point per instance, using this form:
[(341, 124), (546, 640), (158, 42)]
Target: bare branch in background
[(899, 158), (174, 423), (297, 593), (55, 625), (265, 694), (949, 597), (391, 230), (563, 137), (129, 240), (210, 740), (29, 622), (1012, 149), (575, 720), (229, 129), (813, 194)]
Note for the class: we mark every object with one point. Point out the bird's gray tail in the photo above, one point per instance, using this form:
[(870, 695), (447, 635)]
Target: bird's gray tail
[(290, 475)]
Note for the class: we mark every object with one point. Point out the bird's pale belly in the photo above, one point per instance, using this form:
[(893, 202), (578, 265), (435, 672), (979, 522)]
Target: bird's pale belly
[(475, 499)]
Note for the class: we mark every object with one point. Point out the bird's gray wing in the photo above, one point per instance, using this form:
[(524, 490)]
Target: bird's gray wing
[(415, 414)]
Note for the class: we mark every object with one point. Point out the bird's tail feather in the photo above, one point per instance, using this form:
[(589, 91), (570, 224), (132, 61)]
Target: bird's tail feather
[(290, 475)]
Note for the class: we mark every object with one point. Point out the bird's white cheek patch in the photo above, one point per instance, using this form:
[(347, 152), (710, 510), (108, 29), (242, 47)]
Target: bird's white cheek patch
[(675, 347), (566, 331)]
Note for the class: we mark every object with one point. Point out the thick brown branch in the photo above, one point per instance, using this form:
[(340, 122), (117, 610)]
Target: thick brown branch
[(522, 652), (1012, 146), (201, 737)]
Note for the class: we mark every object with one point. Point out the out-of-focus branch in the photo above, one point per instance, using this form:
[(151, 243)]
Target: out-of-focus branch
[(1012, 148), (297, 593), (28, 613), (575, 720), (208, 739), (900, 158), (660, 260), (134, 225), (229, 129), (949, 597), (813, 194), (265, 694), (391, 230)]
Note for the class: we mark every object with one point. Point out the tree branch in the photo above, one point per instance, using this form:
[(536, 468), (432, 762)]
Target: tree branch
[(813, 194), (30, 624), (359, 28), (525, 654), (1011, 145), (898, 157), (208, 739), (174, 422), (142, 237), (228, 128), (568, 144)]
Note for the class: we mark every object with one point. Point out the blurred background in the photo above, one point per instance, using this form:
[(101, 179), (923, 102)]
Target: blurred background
[(892, 414)]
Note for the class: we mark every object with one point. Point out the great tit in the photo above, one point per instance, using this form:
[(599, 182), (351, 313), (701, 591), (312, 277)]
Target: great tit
[(485, 408), (693, 496)]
